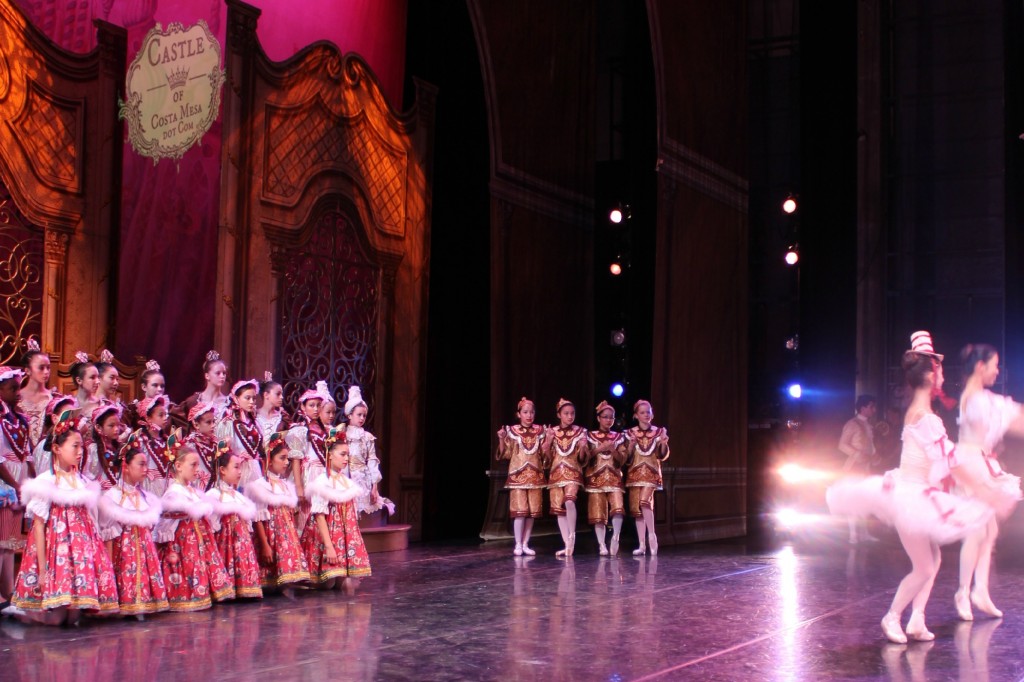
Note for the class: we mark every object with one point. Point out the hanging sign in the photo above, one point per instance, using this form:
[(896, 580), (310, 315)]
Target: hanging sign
[(173, 90)]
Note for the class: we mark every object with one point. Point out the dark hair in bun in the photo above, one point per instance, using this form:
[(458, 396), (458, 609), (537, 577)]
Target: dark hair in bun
[(916, 368), (972, 354)]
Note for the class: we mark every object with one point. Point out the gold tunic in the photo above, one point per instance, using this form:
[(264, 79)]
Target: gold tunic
[(567, 452), (604, 474), (522, 450), (642, 449)]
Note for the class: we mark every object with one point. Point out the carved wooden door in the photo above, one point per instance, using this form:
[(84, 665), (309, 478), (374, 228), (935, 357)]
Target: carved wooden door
[(329, 312)]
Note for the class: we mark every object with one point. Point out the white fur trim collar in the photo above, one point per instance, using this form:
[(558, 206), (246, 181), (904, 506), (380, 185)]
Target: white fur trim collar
[(112, 506), (46, 487), (267, 494), (338, 490), (227, 501), (180, 499)]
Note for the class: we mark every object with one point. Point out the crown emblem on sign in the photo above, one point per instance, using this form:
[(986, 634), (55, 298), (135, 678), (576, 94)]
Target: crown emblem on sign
[(176, 78)]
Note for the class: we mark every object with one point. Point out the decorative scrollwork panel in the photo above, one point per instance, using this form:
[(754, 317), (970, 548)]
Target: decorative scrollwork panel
[(330, 312), (21, 279)]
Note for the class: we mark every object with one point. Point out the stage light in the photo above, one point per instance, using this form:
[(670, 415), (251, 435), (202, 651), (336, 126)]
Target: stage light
[(794, 474), (618, 337), (615, 268), (795, 391), (615, 215), (792, 256), (789, 518), (618, 389), (793, 342), (789, 205)]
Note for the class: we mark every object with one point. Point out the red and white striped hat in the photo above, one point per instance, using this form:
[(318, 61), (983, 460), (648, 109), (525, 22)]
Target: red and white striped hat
[(921, 342)]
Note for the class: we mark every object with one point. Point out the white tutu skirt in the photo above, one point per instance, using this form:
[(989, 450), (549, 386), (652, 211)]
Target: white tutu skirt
[(981, 478), (911, 507)]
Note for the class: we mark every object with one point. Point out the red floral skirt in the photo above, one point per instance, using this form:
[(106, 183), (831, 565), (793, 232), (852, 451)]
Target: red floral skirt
[(289, 563), (343, 528), (193, 568), (235, 544), (140, 578), (79, 572)]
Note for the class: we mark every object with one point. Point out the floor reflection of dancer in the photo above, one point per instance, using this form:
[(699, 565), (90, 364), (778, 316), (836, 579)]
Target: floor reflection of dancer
[(604, 479), (646, 448), (924, 516), (521, 446), (565, 447), (984, 419), (972, 642)]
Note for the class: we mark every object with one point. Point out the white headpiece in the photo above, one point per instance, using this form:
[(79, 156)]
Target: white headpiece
[(324, 393), (355, 399)]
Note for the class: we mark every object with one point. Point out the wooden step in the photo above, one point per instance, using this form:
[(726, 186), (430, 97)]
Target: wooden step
[(390, 538)]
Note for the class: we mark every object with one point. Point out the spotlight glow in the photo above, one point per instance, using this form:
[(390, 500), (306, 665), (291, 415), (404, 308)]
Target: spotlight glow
[(794, 474), (795, 391), (618, 389), (615, 269), (792, 257), (789, 205), (615, 215), (791, 518)]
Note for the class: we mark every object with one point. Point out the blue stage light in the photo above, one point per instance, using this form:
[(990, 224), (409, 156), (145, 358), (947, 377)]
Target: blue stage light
[(795, 391), (618, 389)]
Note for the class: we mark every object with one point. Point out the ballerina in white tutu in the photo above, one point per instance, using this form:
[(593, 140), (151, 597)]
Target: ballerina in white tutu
[(985, 418), (908, 498)]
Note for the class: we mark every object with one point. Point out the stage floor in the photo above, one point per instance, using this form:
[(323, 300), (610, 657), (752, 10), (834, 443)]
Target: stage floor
[(719, 611)]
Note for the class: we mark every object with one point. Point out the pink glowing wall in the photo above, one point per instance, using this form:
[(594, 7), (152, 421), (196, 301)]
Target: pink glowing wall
[(168, 247)]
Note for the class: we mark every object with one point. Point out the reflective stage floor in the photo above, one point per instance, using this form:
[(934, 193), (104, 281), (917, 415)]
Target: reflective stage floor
[(719, 611)]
